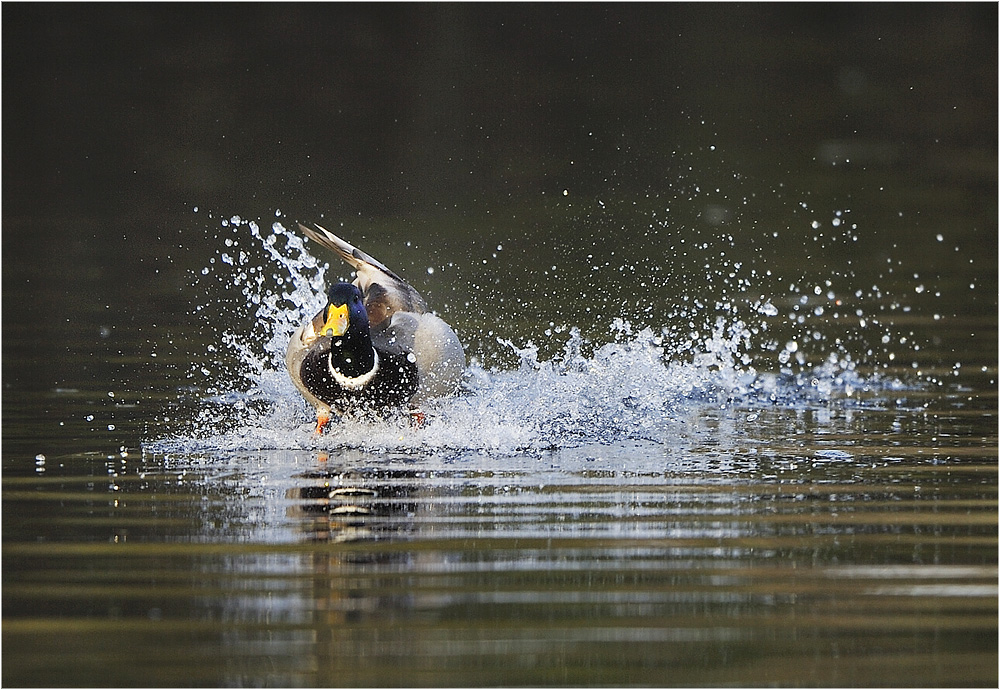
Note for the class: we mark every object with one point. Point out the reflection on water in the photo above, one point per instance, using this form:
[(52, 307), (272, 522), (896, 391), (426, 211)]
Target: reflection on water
[(347, 505), (845, 560)]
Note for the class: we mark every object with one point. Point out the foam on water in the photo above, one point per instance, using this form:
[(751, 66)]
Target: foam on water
[(643, 384)]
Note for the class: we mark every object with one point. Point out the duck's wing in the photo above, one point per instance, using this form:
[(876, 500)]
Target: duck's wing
[(434, 348), (385, 293)]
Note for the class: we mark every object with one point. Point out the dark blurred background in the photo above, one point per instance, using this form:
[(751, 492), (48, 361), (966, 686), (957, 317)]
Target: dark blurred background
[(126, 110)]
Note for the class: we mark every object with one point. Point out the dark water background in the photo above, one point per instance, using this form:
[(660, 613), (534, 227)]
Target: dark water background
[(826, 539)]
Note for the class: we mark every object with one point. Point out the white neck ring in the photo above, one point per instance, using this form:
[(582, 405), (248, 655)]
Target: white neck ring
[(352, 383)]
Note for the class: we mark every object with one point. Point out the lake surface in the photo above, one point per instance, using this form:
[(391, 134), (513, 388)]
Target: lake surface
[(730, 416)]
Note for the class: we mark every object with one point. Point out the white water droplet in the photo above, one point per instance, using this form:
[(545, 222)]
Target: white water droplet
[(768, 309)]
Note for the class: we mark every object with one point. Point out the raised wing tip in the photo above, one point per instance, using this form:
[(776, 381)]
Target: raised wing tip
[(317, 232), (308, 228), (347, 251)]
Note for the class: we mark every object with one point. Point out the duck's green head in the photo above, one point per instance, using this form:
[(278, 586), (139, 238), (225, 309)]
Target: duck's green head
[(345, 312)]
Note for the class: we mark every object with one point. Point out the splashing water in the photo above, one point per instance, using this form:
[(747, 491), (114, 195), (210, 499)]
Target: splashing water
[(643, 385)]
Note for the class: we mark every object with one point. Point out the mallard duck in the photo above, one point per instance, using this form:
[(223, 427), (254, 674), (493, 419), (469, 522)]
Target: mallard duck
[(374, 346)]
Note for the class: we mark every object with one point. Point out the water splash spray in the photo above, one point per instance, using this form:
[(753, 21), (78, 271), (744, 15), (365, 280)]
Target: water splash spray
[(641, 385)]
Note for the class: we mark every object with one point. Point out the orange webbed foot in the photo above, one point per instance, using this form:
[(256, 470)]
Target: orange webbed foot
[(322, 419)]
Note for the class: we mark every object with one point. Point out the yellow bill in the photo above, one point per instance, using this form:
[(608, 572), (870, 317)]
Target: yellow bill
[(337, 321)]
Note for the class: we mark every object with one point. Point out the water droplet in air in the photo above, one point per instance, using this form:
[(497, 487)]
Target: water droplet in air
[(768, 309)]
